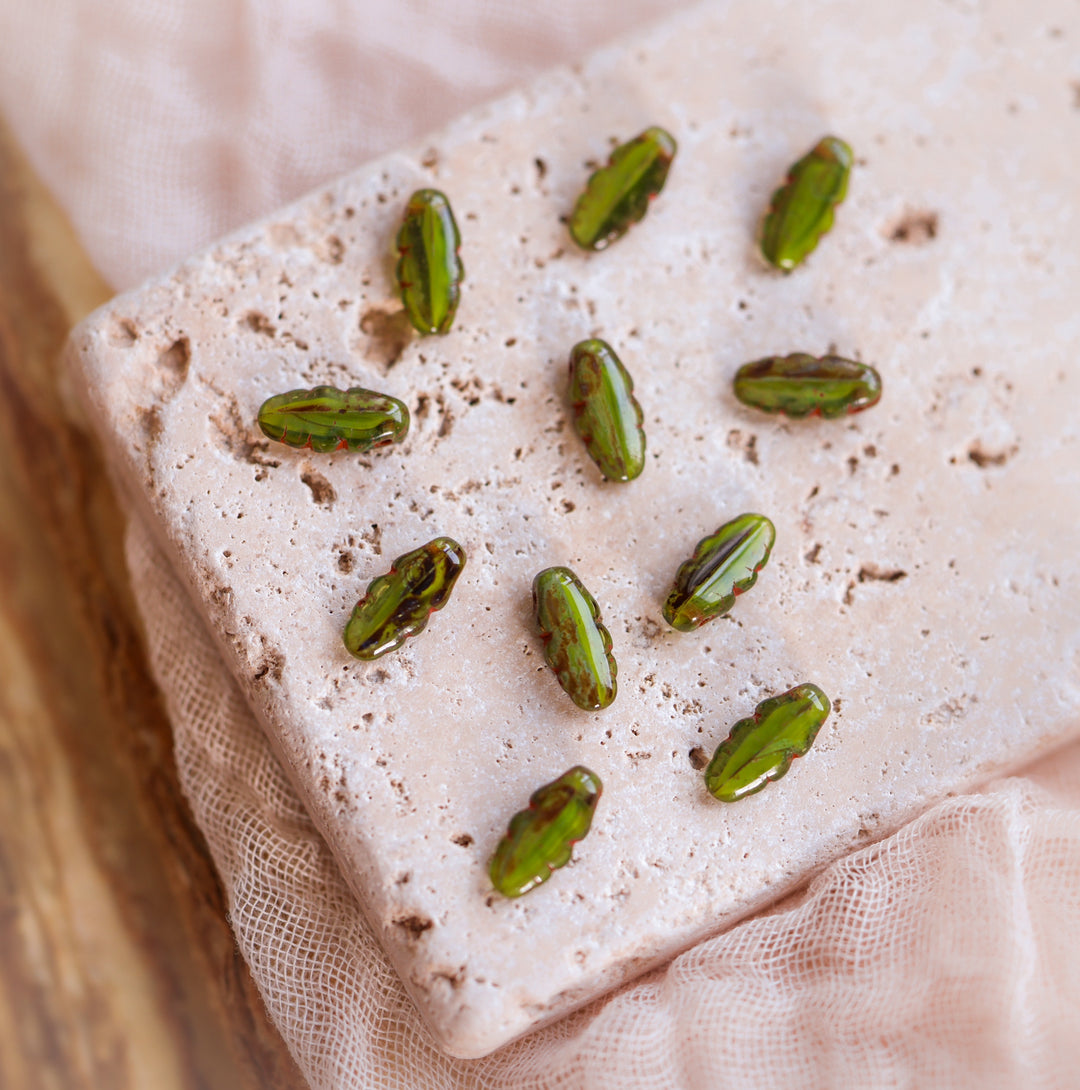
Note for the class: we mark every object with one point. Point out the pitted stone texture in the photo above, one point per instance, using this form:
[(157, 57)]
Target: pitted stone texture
[(925, 573)]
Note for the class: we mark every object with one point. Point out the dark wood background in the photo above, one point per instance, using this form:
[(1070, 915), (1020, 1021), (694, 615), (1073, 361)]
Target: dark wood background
[(117, 968)]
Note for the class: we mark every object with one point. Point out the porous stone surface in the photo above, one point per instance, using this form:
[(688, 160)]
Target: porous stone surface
[(925, 573)]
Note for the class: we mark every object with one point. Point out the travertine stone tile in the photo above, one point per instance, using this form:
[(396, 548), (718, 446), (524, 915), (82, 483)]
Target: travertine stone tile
[(925, 574)]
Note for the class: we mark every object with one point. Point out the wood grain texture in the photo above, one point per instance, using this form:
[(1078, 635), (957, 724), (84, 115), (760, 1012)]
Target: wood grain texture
[(117, 966)]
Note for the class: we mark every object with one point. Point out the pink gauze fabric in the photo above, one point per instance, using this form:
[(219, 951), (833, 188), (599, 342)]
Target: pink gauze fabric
[(945, 956)]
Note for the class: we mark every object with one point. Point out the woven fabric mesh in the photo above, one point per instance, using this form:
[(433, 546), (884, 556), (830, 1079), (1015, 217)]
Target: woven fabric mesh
[(946, 956)]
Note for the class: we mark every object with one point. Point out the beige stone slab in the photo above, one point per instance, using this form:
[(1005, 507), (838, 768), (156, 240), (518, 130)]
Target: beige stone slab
[(926, 573)]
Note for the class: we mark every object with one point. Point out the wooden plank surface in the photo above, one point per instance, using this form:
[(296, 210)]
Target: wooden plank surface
[(117, 968)]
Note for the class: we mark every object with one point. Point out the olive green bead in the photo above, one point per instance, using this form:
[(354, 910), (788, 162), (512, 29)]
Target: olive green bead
[(327, 419), (801, 210), (724, 565), (617, 195), (760, 749), (397, 605), (541, 839), (607, 416), (801, 385), (576, 645), (429, 271)]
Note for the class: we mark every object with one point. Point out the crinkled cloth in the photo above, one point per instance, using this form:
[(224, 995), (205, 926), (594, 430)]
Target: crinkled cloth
[(946, 956)]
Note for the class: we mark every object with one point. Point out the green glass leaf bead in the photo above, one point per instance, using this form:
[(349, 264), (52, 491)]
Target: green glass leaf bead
[(541, 839), (397, 605), (617, 196), (607, 416), (429, 271), (760, 749), (326, 419), (802, 385), (801, 210), (576, 645), (724, 565)]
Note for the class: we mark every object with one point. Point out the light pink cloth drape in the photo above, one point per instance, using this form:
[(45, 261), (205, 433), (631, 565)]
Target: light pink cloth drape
[(947, 956)]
